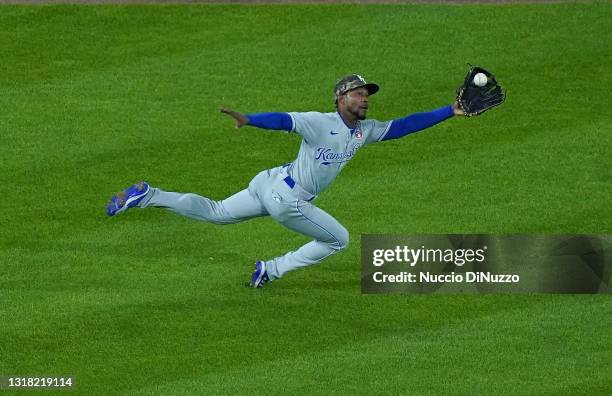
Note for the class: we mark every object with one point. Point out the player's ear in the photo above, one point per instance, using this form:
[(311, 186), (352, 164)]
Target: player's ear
[(340, 100)]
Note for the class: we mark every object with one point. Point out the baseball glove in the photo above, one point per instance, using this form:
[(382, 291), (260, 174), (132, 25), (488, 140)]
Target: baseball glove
[(475, 100)]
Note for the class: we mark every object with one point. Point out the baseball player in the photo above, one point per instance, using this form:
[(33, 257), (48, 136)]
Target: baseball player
[(287, 192)]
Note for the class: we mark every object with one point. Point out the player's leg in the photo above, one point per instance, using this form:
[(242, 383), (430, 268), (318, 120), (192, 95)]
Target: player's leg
[(238, 207), (329, 237)]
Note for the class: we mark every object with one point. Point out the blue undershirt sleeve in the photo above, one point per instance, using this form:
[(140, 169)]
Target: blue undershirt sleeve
[(276, 121), (417, 122)]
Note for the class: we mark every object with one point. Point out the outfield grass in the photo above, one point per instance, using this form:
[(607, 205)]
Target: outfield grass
[(95, 98)]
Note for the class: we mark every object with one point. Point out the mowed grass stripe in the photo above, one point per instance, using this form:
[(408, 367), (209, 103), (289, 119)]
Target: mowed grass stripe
[(402, 361)]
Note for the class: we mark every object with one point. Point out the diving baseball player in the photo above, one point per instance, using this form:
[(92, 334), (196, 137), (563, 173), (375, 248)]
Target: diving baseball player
[(329, 142)]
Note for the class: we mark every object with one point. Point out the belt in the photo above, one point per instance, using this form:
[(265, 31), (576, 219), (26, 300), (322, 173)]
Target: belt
[(303, 194), (290, 182)]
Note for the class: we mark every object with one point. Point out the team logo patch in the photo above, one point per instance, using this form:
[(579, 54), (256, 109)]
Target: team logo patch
[(358, 134)]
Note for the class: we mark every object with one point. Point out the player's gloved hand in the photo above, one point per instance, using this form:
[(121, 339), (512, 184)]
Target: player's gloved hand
[(475, 99), (240, 118)]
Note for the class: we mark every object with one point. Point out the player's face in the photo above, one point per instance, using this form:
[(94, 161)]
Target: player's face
[(356, 102)]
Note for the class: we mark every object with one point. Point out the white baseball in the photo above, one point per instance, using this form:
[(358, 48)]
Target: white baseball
[(480, 80)]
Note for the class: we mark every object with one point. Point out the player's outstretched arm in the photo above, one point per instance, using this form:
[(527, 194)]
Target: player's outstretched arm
[(275, 121), (419, 121)]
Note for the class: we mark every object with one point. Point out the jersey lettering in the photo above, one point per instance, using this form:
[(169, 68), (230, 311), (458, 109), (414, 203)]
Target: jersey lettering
[(328, 156)]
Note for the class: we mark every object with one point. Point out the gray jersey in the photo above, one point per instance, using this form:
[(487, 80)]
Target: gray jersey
[(328, 145)]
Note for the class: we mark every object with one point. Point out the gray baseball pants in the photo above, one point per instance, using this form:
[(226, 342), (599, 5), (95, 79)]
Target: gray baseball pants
[(268, 194)]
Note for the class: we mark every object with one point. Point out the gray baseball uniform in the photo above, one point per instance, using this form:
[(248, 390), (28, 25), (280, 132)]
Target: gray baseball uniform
[(286, 192)]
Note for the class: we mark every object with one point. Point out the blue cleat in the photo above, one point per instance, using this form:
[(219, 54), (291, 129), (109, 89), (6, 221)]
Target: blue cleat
[(259, 277), (127, 198)]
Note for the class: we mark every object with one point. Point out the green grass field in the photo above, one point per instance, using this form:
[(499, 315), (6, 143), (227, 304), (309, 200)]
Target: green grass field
[(95, 98)]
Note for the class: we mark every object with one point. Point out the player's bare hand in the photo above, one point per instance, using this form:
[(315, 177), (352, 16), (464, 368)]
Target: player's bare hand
[(457, 110), (240, 118)]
